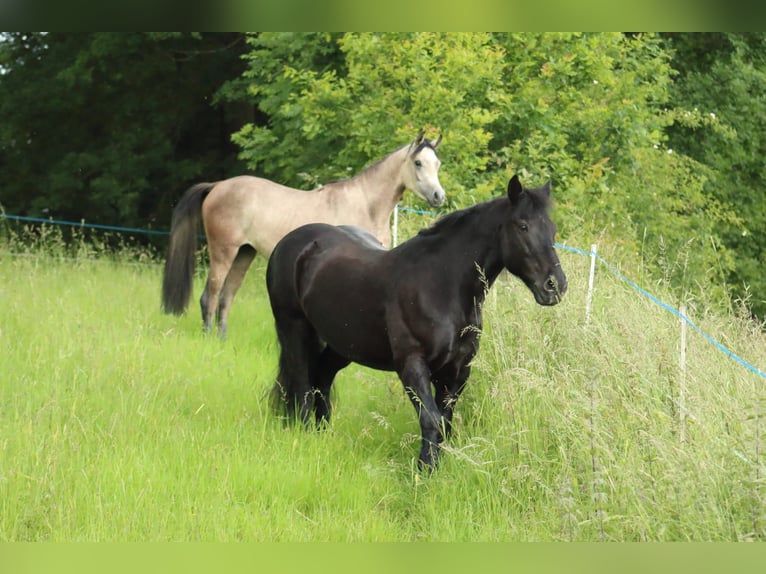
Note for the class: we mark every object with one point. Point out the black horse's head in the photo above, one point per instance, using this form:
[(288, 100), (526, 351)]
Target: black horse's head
[(527, 238)]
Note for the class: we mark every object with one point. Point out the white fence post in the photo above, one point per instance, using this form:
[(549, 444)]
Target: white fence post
[(395, 227), (589, 299), (682, 382)]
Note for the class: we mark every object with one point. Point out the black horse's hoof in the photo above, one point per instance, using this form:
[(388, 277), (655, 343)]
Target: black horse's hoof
[(426, 467), (428, 460)]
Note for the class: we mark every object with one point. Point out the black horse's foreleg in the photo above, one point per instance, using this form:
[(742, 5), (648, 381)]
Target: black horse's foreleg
[(328, 366), (416, 377), (448, 388)]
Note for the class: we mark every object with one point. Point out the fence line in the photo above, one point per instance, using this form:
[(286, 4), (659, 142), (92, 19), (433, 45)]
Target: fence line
[(83, 224), (682, 316), (592, 253)]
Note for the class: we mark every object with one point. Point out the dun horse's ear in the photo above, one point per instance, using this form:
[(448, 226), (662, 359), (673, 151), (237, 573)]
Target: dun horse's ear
[(514, 189), (437, 142), (417, 142)]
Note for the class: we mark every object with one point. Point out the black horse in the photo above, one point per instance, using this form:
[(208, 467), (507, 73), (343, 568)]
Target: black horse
[(338, 297)]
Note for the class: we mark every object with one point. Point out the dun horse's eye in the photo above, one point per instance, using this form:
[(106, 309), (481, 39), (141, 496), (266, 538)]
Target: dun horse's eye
[(418, 163)]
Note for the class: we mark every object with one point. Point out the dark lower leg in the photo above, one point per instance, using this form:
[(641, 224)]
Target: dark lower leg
[(416, 378), (330, 363)]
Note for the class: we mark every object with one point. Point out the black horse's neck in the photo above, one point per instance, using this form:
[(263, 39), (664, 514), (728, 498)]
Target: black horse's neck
[(487, 261), (468, 242)]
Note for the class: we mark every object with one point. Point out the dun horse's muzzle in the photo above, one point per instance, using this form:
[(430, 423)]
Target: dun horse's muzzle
[(436, 197)]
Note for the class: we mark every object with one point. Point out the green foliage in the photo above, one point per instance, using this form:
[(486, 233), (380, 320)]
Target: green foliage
[(653, 142), (590, 111), (723, 79), (278, 64), (109, 127), (336, 103)]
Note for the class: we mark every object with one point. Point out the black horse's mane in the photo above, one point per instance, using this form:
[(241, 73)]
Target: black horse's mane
[(540, 201), (530, 199), (449, 222)]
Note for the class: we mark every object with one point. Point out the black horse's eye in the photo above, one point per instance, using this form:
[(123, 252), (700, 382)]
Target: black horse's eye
[(418, 163), (523, 226)]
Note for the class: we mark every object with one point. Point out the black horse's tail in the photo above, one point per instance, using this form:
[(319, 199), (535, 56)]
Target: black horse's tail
[(292, 395), (179, 265)]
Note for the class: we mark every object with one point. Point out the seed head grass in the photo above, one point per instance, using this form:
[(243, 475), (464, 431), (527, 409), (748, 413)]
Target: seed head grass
[(120, 423)]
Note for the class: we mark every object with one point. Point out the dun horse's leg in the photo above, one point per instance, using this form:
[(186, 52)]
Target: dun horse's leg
[(448, 387), (208, 310), (221, 259), (330, 363), (416, 377), (231, 285), (203, 301)]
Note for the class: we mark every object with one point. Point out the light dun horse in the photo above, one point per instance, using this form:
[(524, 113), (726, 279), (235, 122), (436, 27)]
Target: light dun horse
[(246, 215)]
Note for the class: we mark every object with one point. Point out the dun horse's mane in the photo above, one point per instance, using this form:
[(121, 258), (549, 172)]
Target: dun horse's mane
[(426, 143)]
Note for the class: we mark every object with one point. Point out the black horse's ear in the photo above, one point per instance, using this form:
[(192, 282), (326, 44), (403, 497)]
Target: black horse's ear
[(514, 189), (546, 189)]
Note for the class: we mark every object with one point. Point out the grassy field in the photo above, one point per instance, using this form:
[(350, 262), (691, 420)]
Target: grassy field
[(120, 423)]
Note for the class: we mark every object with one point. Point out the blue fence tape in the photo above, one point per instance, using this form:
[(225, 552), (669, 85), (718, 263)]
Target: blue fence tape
[(418, 211), (667, 307), (610, 267), (83, 224)]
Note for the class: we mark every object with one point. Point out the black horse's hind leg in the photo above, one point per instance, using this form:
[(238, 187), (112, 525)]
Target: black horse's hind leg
[(330, 363), (298, 359), (416, 377)]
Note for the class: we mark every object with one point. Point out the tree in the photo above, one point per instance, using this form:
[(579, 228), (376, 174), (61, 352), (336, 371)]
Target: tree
[(590, 111), (723, 78), (649, 139), (335, 103), (111, 127)]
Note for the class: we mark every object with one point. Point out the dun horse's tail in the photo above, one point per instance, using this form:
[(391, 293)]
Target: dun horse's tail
[(179, 265)]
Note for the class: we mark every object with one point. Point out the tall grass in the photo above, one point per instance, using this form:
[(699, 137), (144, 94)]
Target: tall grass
[(120, 423)]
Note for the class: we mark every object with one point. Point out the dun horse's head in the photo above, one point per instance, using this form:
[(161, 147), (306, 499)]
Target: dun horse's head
[(420, 171), (527, 238)]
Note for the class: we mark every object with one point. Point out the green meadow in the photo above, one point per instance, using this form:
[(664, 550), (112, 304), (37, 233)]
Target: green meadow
[(119, 423)]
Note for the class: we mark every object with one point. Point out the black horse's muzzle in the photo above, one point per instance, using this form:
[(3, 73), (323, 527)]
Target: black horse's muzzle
[(551, 289)]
